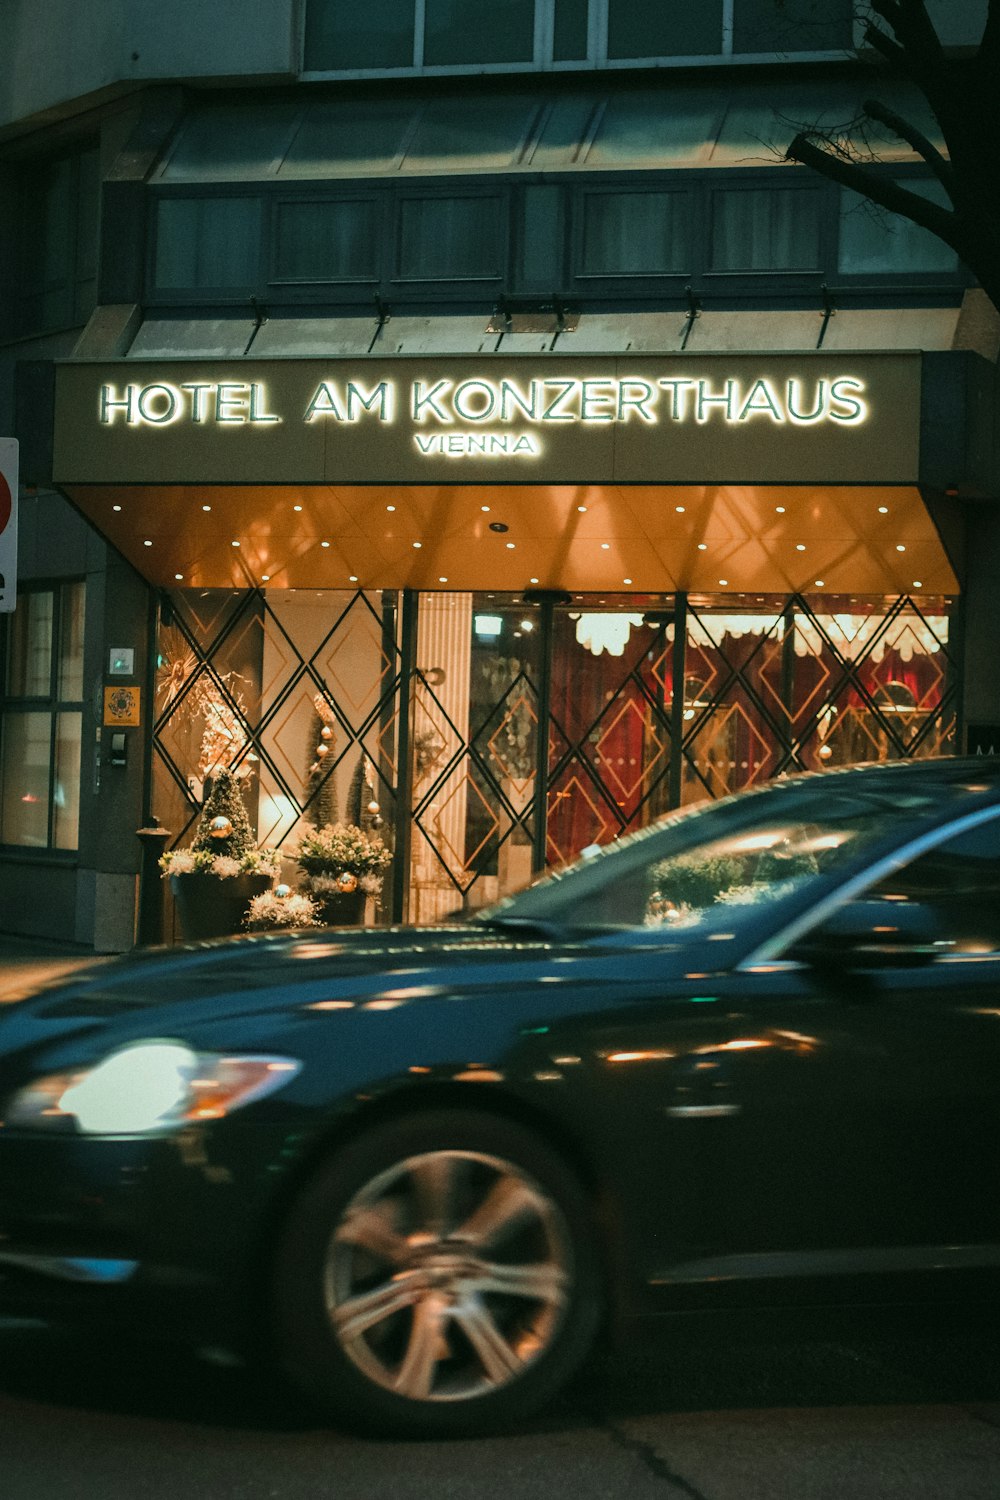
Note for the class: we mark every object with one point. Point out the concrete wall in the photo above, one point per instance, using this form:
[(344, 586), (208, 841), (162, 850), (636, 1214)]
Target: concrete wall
[(92, 898), (76, 51)]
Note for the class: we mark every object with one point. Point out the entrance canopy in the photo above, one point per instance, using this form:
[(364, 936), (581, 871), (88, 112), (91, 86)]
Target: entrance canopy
[(876, 539), (776, 473)]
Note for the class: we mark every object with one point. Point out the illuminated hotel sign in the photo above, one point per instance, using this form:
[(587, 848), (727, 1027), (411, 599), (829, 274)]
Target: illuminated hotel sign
[(774, 418), (495, 413)]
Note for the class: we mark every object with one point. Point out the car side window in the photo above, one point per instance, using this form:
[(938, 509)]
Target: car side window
[(956, 889)]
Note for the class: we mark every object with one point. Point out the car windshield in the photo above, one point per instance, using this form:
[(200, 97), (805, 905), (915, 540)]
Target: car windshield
[(720, 863)]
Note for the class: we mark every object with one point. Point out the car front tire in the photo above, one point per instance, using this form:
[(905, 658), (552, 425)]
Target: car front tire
[(437, 1277)]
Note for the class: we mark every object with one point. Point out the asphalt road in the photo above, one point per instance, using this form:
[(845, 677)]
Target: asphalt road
[(901, 1406)]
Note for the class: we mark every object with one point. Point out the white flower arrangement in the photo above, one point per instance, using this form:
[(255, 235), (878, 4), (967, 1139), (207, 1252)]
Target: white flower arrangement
[(225, 866), (271, 910)]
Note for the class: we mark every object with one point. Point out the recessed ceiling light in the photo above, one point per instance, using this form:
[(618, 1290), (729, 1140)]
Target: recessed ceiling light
[(265, 578), (442, 580), (147, 544), (605, 546), (917, 584), (820, 584), (390, 507), (484, 507), (582, 509), (800, 547), (178, 576), (532, 580), (296, 507), (206, 507), (702, 546), (418, 545), (626, 580), (883, 510), (324, 544), (234, 544), (353, 578), (116, 507), (679, 509), (724, 582), (510, 546), (900, 547), (779, 510)]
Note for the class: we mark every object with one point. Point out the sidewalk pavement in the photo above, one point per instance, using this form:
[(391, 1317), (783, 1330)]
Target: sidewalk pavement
[(25, 962)]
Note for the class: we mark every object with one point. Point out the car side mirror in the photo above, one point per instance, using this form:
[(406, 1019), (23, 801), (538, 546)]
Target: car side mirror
[(873, 935)]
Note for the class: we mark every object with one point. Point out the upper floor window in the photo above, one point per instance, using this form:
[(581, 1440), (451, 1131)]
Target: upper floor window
[(875, 242), (57, 276), (42, 719), (417, 35)]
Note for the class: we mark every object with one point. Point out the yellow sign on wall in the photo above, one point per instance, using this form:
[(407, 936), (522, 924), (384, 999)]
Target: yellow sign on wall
[(121, 707)]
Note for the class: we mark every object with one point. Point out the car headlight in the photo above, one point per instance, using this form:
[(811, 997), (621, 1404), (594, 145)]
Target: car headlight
[(146, 1088)]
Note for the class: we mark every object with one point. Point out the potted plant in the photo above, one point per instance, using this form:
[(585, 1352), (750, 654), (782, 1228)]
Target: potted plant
[(342, 866), (281, 907), (214, 881)]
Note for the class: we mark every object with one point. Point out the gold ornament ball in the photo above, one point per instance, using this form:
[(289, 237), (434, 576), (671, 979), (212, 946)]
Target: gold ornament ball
[(347, 882), (326, 733), (282, 891), (220, 827), (373, 807)]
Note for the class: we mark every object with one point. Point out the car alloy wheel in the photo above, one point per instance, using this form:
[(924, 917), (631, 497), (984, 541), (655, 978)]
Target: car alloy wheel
[(438, 1276)]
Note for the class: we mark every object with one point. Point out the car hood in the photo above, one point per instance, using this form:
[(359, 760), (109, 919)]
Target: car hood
[(199, 988)]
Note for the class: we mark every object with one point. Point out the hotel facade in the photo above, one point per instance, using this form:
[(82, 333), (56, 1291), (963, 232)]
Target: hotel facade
[(470, 428)]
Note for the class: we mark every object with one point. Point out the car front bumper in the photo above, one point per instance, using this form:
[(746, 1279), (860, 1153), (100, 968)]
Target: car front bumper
[(166, 1232)]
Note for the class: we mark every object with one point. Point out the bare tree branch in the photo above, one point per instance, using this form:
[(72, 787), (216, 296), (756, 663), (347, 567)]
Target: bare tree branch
[(939, 165), (961, 86), (914, 45), (912, 28), (890, 50), (884, 191)]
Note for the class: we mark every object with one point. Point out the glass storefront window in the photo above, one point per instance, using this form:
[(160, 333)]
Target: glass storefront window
[(325, 707), (42, 719)]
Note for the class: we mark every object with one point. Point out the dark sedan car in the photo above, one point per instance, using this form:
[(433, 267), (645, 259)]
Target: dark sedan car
[(751, 1052)]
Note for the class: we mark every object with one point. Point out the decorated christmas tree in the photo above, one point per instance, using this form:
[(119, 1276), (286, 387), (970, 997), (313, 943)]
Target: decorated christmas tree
[(224, 827), (320, 793), (362, 801)]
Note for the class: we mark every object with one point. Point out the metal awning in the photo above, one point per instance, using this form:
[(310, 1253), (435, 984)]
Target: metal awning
[(725, 122)]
